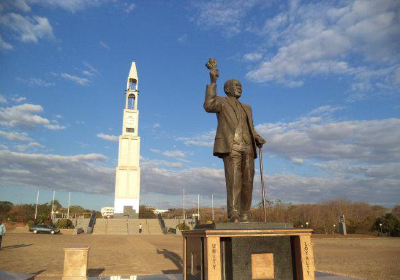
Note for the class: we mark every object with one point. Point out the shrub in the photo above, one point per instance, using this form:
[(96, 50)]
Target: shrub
[(30, 223), (183, 226), (64, 223)]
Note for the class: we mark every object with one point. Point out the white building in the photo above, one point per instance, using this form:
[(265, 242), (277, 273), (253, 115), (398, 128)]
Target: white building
[(107, 212), (127, 182), (159, 211)]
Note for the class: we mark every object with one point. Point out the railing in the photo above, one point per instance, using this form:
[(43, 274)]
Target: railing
[(92, 222), (161, 222)]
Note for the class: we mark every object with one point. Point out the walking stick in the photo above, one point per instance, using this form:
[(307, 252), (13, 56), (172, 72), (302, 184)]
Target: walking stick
[(262, 184)]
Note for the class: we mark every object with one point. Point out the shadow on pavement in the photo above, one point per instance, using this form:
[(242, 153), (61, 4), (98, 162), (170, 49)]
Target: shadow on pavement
[(175, 258), (16, 246), (37, 273), (93, 272)]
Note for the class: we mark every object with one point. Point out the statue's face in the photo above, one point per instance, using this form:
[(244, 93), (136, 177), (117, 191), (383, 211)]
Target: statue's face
[(235, 88)]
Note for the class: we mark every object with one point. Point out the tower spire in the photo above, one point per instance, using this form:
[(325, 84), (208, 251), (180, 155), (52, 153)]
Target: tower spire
[(127, 184), (132, 82)]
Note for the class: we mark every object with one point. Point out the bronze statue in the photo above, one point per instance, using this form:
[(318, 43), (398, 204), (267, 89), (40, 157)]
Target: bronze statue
[(235, 142)]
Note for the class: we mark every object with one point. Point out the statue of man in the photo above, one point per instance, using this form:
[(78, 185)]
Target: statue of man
[(235, 142)]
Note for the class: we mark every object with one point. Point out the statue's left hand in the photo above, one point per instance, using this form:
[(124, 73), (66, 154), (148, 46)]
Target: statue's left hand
[(260, 142)]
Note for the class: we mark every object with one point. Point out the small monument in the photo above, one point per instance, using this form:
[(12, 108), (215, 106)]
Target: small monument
[(76, 261), (127, 181), (342, 225), (239, 250)]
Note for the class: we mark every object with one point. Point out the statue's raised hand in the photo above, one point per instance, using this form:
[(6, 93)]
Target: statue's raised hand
[(212, 65)]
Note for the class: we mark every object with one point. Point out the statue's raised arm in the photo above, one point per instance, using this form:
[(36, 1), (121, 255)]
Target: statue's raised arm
[(212, 65)]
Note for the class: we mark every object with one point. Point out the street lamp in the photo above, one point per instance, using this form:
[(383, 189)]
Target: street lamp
[(306, 224), (334, 228), (380, 225)]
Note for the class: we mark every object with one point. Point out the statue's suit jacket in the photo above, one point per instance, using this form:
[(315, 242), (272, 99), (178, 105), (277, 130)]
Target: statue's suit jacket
[(225, 108)]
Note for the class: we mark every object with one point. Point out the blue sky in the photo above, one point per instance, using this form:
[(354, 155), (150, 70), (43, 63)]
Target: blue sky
[(322, 78)]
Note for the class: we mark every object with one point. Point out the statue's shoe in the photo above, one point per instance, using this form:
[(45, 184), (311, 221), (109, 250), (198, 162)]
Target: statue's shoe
[(234, 219), (244, 218)]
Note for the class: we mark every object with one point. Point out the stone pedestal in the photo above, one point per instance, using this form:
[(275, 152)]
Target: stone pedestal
[(76, 263), (247, 254)]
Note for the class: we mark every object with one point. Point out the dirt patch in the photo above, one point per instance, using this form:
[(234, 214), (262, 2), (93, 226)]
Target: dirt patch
[(368, 258)]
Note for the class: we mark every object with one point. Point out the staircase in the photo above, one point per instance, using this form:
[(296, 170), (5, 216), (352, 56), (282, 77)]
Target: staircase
[(127, 226), (172, 223), (153, 226), (100, 226), (117, 227), (82, 223)]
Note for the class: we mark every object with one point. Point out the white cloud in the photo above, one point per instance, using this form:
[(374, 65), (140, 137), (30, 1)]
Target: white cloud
[(129, 7), (19, 99), (182, 38), (323, 38), (91, 69), (104, 45), (156, 126), (90, 72), (324, 110), (252, 56), (313, 138), (297, 160), (55, 126), (26, 115), (69, 5), (174, 154), (202, 140), (4, 45), (73, 173), (203, 181), (3, 99), (373, 184), (224, 15), (18, 4), (357, 159), (155, 163), (30, 146), (79, 80), (35, 82), (15, 136), (29, 29), (107, 137), (368, 188)]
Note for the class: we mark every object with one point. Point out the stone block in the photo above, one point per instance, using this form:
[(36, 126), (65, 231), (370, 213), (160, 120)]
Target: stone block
[(76, 263)]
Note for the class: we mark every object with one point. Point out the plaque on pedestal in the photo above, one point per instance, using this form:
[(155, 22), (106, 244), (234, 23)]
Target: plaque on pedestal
[(247, 253)]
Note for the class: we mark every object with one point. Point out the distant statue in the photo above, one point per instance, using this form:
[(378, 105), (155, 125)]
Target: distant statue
[(235, 142)]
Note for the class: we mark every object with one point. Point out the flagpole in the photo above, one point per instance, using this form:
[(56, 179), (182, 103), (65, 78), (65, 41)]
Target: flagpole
[(37, 201), (69, 204)]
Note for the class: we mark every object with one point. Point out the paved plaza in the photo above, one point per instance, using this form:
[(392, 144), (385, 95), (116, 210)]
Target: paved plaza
[(375, 258)]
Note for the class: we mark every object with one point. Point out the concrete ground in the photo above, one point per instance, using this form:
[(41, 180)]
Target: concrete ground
[(375, 258)]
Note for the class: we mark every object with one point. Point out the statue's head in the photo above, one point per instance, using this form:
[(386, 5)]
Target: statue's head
[(233, 88)]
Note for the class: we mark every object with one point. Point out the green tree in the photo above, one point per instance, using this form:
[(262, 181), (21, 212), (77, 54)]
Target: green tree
[(5, 206), (146, 212), (396, 211), (64, 223), (21, 213), (390, 225)]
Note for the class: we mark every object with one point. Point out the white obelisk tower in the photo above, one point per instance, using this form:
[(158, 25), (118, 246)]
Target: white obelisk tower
[(127, 182)]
